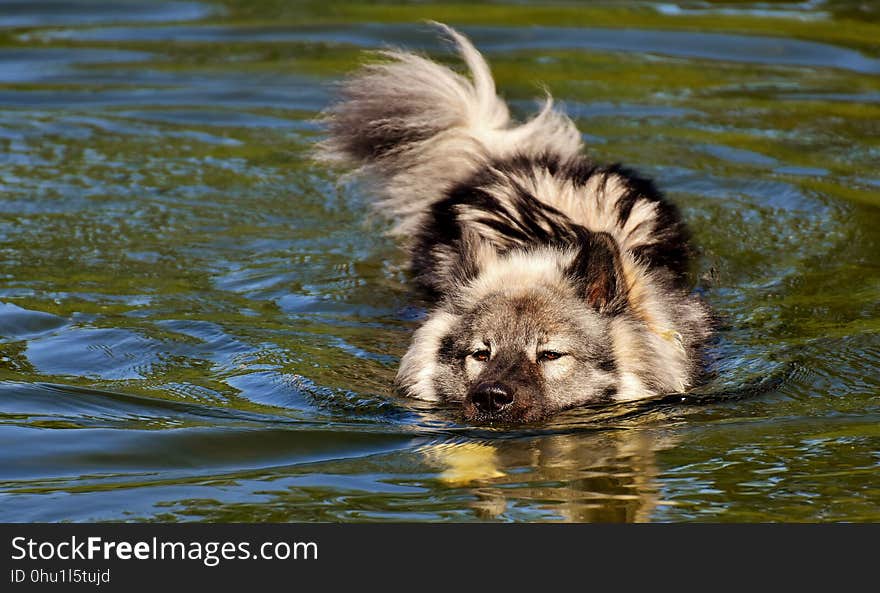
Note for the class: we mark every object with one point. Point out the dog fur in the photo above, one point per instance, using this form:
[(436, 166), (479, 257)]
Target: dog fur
[(555, 282)]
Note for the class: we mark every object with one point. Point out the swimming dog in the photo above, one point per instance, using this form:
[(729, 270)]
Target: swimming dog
[(554, 281)]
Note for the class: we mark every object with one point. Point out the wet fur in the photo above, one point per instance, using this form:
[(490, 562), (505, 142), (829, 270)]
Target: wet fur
[(522, 243)]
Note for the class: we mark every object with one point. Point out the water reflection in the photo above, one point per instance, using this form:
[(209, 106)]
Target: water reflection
[(604, 476)]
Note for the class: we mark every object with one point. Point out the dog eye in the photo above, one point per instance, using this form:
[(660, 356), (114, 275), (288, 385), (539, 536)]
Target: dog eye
[(550, 355), (481, 355)]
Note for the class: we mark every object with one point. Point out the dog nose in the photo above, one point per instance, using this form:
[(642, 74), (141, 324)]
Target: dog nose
[(491, 397)]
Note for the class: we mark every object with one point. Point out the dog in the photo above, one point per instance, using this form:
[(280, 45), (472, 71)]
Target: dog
[(554, 282)]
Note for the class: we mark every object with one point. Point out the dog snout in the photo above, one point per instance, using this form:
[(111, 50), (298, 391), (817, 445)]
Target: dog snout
[(491, 397)]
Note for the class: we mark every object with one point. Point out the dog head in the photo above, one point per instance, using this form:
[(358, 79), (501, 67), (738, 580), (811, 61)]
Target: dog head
[(521, 355)]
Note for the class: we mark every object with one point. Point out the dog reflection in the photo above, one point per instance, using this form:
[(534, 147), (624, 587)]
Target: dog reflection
[(608, 476)]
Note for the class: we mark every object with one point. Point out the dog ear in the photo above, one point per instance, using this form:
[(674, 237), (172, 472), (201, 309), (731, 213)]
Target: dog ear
[(597, 272)]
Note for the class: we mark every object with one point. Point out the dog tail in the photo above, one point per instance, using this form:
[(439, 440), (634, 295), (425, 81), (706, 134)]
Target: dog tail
[(418, 128)]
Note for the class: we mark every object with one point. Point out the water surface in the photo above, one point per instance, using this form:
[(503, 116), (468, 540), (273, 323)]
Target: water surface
[(197, 323)]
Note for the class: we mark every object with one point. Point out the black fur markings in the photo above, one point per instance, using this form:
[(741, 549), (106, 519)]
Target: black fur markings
[(670, 241), (608, 394), (524, 219), (519, 219), (369, 128), (447, 352), (579, 170), (607, 364), (529, 221), (598, 273), (669, 247)]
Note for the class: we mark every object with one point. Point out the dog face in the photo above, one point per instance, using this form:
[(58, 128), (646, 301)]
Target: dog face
[(522, 355), (525, 335)]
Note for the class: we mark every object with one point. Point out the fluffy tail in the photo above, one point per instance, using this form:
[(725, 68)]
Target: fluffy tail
[(418, 128)]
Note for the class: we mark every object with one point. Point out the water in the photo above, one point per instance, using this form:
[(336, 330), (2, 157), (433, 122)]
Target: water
[(198, 324)]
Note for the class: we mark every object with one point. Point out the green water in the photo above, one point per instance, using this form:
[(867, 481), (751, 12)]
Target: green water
[(198, 324)]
